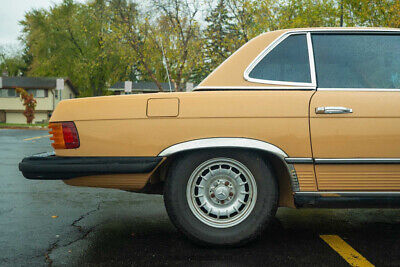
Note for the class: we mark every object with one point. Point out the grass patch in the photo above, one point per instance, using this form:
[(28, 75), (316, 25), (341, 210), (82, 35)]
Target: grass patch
[(22, 125)]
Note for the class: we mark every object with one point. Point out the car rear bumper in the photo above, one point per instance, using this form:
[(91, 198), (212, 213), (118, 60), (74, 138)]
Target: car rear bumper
[(48, 166)]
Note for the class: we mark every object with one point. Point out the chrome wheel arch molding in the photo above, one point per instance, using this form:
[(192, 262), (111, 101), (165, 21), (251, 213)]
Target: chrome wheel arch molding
[(224, 142), (235, 142)]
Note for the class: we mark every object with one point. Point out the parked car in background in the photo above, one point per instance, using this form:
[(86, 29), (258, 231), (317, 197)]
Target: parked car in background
[(294, 118)]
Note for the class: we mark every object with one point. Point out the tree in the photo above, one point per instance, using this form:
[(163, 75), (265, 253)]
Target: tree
[(103, 41), (12, 62), (174, 32), (69, 40), (219, 37), (178, 30), (131, 31), (230, 23), (375, 13), (30, 104), (242, 13), (274, 14)]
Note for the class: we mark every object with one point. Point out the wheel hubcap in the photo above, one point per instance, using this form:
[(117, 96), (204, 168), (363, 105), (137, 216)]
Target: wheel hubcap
[(221, 192)]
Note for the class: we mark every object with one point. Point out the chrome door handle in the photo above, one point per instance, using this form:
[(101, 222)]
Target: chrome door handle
[(333, 110)]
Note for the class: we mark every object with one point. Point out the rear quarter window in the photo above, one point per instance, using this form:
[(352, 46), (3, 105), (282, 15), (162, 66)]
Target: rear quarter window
[(287, 62)]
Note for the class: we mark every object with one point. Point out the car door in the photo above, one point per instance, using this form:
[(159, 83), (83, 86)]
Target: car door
[(355, 113)]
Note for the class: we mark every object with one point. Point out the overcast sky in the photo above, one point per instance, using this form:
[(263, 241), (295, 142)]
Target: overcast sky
[(11, 12)]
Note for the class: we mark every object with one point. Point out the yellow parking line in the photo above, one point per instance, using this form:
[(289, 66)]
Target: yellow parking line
[(37, 137), (346, 251)]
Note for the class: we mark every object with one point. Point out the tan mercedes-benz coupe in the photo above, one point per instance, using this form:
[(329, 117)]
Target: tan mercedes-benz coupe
[(294, 118)]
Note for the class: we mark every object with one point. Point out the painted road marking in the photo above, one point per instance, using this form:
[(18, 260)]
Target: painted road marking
[(37, 137), (346, 251)]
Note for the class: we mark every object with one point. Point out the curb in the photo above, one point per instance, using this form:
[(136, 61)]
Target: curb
[(25, 128)]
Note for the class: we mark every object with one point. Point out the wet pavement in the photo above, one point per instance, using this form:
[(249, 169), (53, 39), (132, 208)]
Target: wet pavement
[(49, 223)]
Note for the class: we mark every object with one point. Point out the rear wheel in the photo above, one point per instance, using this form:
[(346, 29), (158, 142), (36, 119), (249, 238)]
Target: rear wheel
[(220, 197)]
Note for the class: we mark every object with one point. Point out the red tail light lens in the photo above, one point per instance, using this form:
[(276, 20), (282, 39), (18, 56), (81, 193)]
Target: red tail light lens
[(65, 135)]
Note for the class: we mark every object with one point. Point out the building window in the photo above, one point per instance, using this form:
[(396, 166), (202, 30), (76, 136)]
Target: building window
[(39, 93), (8, 93), (12, 93)]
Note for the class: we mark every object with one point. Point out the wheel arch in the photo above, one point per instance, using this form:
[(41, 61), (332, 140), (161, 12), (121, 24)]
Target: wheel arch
[(273, 155), (223, 142)]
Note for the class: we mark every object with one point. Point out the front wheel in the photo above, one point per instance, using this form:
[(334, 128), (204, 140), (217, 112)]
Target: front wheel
[(220, 197)]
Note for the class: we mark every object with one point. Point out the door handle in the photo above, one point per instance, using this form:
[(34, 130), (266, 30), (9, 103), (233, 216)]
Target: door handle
[(333, 110)]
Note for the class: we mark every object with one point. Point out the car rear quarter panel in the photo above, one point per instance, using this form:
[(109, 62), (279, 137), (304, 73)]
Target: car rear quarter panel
[(120, 125)]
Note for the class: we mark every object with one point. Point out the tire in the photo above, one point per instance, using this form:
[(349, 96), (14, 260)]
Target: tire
[(221, 177)]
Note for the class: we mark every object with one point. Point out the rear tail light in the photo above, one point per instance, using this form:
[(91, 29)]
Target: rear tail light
[(64, 135)]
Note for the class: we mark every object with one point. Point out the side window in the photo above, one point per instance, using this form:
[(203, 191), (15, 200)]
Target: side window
[(40, 93), (287, 62), (357, 60), (11, 93)]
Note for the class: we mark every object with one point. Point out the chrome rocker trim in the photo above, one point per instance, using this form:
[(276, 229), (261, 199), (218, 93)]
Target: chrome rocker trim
[(343, 160), (349, 193), (299, 160), (358, 161)]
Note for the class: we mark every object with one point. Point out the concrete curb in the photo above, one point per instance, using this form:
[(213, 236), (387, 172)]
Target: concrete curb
[(25, 128)]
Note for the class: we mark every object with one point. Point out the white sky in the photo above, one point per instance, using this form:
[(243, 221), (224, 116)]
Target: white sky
[(11, 12)]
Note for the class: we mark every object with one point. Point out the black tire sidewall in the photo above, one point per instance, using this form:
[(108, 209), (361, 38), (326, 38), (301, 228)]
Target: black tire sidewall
[(181, 215)]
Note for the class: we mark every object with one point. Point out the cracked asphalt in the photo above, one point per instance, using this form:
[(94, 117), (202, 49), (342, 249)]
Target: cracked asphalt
[(47, 223)]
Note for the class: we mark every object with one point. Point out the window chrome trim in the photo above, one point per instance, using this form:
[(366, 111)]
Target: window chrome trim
[(347, 193), (357, 161), (302, 88), (351, 30), (311, 59), (269, 48), (360, 89)]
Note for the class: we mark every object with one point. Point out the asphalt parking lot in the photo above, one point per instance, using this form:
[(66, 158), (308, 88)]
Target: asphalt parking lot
[(49, 223)]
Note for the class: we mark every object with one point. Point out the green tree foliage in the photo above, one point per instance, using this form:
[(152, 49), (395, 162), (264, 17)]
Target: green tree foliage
[(103, 41), (219, 39), (307, 13), (177, 31), (130, 29), (69, 40), (372, 13), (12, 62)]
